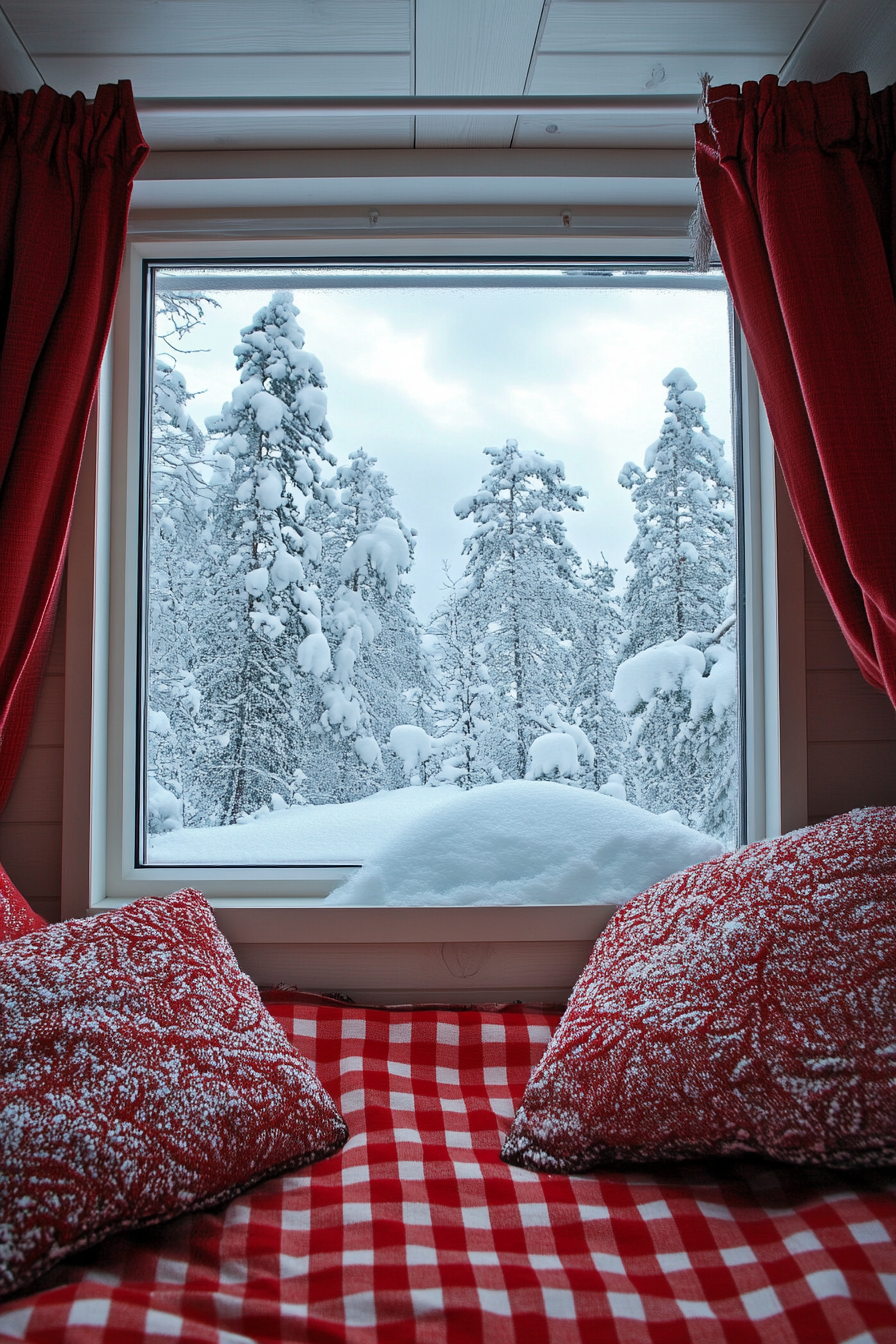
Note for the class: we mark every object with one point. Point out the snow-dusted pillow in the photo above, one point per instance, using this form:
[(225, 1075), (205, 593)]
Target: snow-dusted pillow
[(745, 1006), (525, 842), (140, 1076), (16, 915)]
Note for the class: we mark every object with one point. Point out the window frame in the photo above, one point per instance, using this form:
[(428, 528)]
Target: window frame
[(269, 906)]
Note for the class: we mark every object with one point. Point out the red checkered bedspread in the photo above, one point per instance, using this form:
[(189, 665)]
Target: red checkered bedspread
[(418, 1232)]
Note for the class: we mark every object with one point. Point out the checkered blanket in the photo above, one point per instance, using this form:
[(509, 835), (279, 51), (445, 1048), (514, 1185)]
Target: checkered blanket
[(418, 1232)]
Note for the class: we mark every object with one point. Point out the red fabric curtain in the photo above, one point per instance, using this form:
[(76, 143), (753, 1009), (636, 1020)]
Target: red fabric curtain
[(66, 170), (797, 184)]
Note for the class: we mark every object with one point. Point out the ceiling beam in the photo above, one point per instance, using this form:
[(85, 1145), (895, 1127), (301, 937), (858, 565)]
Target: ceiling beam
[(522, 105), (246, 164), (380, 179)]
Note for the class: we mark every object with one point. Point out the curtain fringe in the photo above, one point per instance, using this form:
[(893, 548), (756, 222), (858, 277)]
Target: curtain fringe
[(700, 234), (699, 230)]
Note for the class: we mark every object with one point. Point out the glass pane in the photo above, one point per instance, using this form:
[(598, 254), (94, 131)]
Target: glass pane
[(411, 532)]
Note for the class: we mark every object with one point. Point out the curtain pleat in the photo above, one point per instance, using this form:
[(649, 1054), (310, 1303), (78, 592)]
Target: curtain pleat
[(797, 183), (66, 169)]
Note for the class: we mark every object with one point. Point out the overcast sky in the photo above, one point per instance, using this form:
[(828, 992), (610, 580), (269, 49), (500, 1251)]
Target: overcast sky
[(424, 379)]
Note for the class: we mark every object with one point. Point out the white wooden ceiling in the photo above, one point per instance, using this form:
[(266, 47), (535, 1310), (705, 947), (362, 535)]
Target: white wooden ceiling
[(382, 47)]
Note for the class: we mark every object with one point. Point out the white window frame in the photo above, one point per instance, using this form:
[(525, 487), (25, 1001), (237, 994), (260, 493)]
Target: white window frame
[(272, 909)]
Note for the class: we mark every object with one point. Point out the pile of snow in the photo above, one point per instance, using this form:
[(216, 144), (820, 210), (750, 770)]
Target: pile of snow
[(524, 843), (331, 833), (516, 843)]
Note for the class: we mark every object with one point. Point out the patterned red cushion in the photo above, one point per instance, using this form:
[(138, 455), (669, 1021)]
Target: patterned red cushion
[(140, 1075), (746, 1005), (16, 915)]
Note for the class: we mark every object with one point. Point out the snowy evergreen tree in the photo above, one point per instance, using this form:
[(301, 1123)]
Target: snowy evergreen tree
[(601, 633), (521, 598), (391, 673), (682, 754), (466, 708), (683, 554), (677, 684), (262, 620), (178, 525)]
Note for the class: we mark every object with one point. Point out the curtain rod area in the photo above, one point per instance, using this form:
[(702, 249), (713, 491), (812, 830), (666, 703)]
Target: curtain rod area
[(416, 106)]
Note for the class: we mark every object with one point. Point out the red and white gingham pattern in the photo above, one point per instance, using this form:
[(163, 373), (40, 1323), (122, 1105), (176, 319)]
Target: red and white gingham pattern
[(418, 1232)]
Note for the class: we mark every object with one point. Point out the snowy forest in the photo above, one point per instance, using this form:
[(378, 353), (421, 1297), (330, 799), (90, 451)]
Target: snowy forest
[(287, 666)]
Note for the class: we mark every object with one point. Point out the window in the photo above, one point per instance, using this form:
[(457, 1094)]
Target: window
[(299, 879)]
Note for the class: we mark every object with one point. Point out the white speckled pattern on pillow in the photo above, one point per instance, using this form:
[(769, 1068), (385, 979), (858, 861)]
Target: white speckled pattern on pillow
[(140, 1076), (746, 1005), (16, 915)]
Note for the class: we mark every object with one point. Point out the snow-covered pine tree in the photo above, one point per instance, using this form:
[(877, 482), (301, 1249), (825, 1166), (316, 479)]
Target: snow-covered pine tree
[(601, 627), (683, 554), (391, 674), (261, 619), (464, 709), (522, 597), (677, 683), (178, 525), (680, 699)]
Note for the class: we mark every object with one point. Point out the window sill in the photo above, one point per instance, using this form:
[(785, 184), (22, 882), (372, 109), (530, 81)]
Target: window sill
[(269, 919)]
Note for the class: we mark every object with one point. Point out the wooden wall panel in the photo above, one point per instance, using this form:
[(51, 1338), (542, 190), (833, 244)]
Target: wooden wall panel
[(31, 824), (850, 726)]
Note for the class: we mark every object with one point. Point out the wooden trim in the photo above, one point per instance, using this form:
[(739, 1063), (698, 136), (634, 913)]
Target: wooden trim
[(791, 661), (421, 972), (77, 791)]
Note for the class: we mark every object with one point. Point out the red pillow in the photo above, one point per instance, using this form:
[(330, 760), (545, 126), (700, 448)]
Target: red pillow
[(746, 1005), (16, 915), (140, 1076)]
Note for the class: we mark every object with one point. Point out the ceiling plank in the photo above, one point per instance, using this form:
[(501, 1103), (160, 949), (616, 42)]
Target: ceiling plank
[(18, 71), (237, 76), (473, 47), (673, 26), (210, 27), (626, 73), (847, 35)]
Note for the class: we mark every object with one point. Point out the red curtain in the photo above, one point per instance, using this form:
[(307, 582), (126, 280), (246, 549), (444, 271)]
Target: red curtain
[(66, 169), (798, 186)]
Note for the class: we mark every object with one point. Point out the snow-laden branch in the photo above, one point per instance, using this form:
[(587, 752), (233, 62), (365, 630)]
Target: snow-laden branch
[(384, 550)]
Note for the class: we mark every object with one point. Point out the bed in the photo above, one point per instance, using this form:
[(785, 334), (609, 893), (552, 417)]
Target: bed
[(417, 1231)]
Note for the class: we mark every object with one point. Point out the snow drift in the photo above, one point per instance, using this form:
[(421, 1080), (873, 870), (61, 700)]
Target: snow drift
[(524, 843), (329, 833)]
